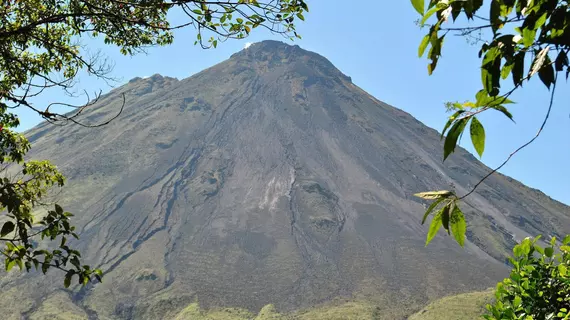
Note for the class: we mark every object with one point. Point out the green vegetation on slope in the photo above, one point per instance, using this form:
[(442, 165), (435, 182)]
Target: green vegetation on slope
[(353, 310), (466, 306), (52, 308)]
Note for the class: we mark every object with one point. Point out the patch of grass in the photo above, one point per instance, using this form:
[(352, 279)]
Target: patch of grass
[(467, 306), (350, 310), (58, 306), (193, 311)]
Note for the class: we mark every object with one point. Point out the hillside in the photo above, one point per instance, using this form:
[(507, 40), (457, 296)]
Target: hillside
[(269, 178)]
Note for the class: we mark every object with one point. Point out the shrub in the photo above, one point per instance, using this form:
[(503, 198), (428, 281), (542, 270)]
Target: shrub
[(538, 287)]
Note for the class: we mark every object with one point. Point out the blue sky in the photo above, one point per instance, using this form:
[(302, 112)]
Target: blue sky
[(376, 44)]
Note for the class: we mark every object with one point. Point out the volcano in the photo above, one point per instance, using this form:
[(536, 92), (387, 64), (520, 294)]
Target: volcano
[(269, 178)]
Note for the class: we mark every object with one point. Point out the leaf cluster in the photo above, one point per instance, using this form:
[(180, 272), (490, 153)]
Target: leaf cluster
[(539, 30), (520, 39), (539, 283), (22, 234), (447, 215)]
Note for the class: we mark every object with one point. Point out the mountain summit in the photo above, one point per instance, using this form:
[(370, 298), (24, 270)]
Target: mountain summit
[(270, 178)]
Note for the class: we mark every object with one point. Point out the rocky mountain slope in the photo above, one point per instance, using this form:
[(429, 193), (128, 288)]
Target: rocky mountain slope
[(269, 178)]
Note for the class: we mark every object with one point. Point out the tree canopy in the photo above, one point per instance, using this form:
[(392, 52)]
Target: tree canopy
[(517, 39), (41, 49)]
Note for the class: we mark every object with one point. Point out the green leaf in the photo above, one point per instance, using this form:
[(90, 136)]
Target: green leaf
[(458, 225), (563, 270), (553, 241), (495, 15), (434, 227), (430, 195), (566, 240), (517, 301), (491, 56), (561, 61), (504, 111), (423, 45), (491, 77), (528, 37), (477, 136), (548, 252), (450, 121), (506, 70), (445, 216), (58, 209), (430, 208), (428, 15), (67, 280), (518, 68), (7, 228), (451, 139), (9, 264), (419, 6), (546, 73), (435, 51)]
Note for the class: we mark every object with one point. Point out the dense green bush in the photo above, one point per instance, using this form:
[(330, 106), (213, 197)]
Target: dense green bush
[(538, 287)]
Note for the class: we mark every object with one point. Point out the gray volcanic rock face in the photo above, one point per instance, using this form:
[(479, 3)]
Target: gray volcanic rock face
[(271, 178)]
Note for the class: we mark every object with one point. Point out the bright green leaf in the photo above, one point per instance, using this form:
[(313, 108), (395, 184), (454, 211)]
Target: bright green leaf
[(477, 136), (450, 121), (563, 270), (506, 71), (434, 227), (10, 264), (430, 208), (428, 15), (458, 225), (423, 45), (452, 137), (528, 37), (419, 6), (517, 301)]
